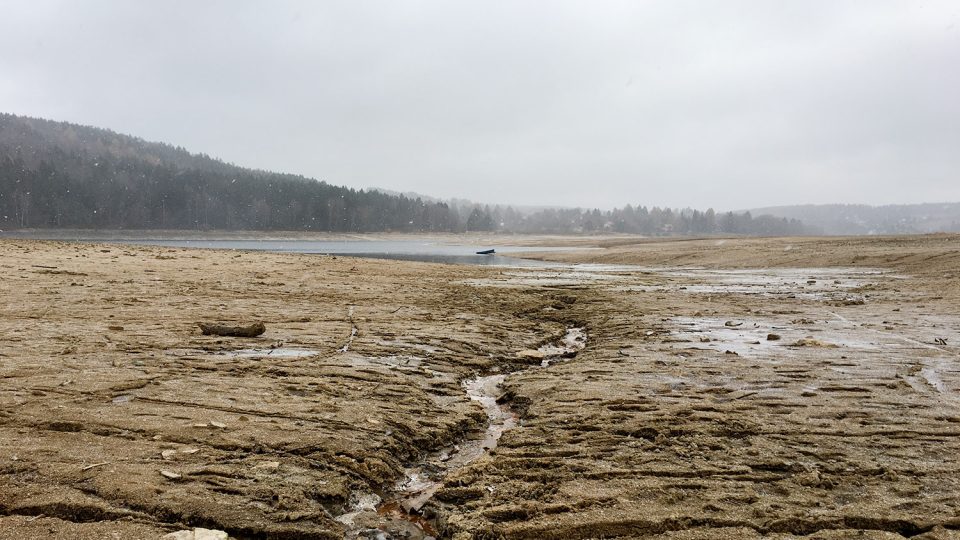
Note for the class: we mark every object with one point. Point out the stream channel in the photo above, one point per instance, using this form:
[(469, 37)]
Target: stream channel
[(398, 514)]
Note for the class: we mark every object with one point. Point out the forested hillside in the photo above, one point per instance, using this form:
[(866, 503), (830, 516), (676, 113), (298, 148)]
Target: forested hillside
[(61, 175), (55, 174)]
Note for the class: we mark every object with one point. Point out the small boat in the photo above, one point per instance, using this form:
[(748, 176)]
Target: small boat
[(487, 252)]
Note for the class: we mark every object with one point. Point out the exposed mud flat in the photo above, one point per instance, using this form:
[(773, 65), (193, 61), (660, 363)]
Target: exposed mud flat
[(413, 398), (741, 402)]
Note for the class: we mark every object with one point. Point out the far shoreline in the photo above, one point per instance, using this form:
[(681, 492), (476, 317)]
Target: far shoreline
[(493, 238)]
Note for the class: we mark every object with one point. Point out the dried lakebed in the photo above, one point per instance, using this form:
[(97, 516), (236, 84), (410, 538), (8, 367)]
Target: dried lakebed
[(738, 404), (381, 387)]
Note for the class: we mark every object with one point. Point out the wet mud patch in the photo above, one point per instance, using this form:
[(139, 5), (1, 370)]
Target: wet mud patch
[(767, 338), (727, 335), (835, 286)]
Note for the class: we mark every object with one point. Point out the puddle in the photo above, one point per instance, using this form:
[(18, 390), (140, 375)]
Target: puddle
[(395, 511)]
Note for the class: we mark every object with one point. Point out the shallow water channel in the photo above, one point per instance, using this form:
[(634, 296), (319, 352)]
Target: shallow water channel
[(423, 479)]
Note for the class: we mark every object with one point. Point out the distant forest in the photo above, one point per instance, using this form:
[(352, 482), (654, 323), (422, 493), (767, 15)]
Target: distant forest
[(62, 175), (641, 220)]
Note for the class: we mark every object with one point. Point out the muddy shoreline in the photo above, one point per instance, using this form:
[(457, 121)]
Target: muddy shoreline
[(119, 417)]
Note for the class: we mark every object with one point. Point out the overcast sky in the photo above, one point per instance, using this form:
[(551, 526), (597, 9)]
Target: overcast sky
[(729, 104)]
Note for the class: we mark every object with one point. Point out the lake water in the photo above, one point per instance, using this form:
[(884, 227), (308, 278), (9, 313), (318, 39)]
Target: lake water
[(408, 250)]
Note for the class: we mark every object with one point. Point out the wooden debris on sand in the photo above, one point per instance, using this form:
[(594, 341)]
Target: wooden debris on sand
[(217, 329)]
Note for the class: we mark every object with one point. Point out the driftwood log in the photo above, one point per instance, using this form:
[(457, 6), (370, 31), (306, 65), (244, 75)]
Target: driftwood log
[(217, 329)]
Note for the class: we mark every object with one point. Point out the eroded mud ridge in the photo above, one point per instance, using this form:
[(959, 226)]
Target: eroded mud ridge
[(751, 388), (394, 512)]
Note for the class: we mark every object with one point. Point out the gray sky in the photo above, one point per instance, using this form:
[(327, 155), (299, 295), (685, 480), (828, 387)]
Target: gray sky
[(729, 104)]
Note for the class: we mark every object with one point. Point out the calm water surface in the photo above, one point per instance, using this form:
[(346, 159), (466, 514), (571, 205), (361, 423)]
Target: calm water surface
[(408, 250)]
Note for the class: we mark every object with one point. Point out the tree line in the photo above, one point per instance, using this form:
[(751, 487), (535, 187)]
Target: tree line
[(653, 221), (61, 175), (54, 174)]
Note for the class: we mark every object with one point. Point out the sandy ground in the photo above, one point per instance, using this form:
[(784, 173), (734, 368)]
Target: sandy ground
[(728, 389)]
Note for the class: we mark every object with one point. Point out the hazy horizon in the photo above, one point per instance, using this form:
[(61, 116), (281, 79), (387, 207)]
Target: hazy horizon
[(730, 105)]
